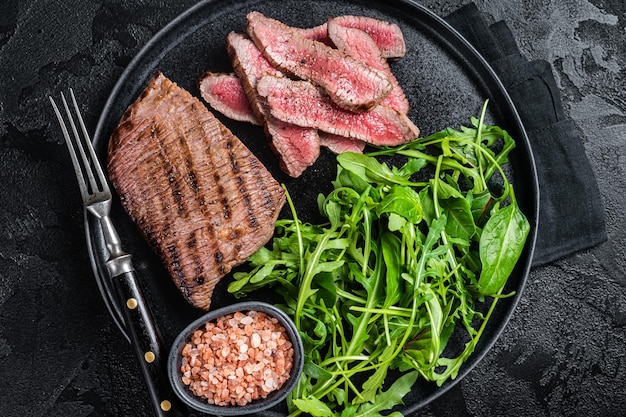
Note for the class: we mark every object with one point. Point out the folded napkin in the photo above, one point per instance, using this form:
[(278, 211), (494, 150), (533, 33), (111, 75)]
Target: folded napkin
[(571, 214)]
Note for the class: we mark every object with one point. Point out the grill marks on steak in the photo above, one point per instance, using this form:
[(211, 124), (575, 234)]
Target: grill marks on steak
[(301, 103), (202, 200), (350, 83), (296, 147)]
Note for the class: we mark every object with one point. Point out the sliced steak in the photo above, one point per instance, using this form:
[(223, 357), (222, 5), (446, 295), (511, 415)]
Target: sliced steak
[(335, 143), (296, 147), (249, 65), (350, 83), (340, 144), (224, 93), (301, 103), (359, 45), (387, 36), (202, 200), (316, 33)]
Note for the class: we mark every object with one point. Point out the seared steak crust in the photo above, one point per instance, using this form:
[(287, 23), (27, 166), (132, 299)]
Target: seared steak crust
[(202, 200), (350, 83)]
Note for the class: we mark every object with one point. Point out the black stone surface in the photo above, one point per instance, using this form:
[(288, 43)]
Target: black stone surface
[(563, 352)]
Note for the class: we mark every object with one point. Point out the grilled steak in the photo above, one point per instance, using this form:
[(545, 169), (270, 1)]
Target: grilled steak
[(387, 36), (296, 147), (359, 45), (301, 103), (224, 93), (202, 200), (350, 83)]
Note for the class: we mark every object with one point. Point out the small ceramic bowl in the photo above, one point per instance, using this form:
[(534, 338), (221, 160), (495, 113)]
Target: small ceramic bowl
[(275, 397)]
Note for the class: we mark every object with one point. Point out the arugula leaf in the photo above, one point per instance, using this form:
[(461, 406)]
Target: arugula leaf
[(313, 406), (389, 398), (370, 170)]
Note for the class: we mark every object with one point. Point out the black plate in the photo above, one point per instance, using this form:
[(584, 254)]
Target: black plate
[(446, 82)]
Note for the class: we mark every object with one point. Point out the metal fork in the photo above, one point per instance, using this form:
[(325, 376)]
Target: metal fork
[(139, 322)]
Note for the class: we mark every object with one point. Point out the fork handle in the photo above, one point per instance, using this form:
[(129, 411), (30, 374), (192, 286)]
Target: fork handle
[(145, 337)]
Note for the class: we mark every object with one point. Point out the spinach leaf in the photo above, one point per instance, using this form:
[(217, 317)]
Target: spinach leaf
[(501, 244)]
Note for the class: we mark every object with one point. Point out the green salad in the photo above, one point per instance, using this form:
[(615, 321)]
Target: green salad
[(410, 253)]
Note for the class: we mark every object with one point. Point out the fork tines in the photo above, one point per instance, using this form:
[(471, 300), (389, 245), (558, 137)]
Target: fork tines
[(96, 185)]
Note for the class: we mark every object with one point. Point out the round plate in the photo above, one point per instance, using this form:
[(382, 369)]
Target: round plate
[(444, 77)]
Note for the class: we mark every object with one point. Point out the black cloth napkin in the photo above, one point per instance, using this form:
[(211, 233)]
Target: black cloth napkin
[(571, 213)]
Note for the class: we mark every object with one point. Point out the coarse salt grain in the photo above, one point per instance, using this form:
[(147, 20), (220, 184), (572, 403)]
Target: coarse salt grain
[(252, 351), (255, 340)]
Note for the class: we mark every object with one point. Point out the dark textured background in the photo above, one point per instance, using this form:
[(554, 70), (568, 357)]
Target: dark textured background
[(563, 353)]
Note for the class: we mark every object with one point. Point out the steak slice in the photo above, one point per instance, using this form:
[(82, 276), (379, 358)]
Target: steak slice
[(249, 64), (201, 199), (301, 103), (387, 36), (316, 33), (350, 83), (359, 45), (224, 93), (296, 147), (337, 144), (340, 144)]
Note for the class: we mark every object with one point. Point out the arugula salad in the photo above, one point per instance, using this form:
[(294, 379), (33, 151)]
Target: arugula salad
[(410, 253)]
